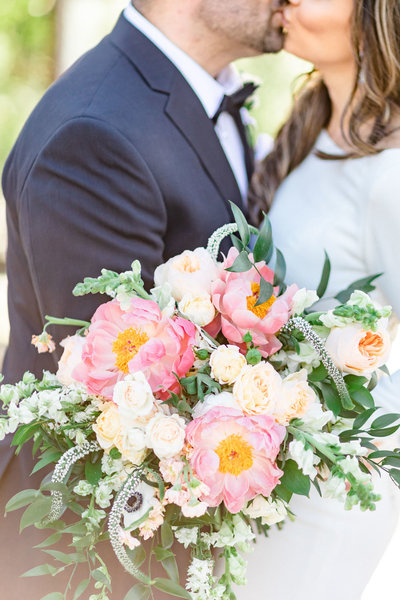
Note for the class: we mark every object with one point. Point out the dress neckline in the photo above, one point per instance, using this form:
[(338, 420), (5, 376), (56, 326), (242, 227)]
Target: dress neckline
[(325, 143)]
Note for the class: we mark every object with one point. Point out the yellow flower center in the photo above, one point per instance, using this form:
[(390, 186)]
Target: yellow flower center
[(187, 264), (261, 310), (235, 455), (127, 345)]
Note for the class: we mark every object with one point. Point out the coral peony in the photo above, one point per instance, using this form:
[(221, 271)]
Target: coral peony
[(139, 339), (234, 455), (235, 294)]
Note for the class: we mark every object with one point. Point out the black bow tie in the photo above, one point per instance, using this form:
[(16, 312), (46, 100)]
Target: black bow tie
[(232, 105), (234, 102)]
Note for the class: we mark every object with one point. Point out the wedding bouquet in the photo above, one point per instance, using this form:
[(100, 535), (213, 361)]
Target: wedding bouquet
[(195, 413)]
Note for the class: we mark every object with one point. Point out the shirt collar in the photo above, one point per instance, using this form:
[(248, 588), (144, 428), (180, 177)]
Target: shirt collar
[(210, 91)]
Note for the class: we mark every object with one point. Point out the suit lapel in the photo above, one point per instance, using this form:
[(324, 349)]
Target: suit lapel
[(183, 106)]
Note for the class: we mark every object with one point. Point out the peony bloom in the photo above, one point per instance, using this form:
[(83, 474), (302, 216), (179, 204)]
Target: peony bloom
[(140, 339), (190, 272), (355, 350), (234, 455), (235, 294)]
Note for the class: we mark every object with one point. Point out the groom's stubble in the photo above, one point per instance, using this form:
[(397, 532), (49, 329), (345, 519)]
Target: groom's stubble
[(252, 24)]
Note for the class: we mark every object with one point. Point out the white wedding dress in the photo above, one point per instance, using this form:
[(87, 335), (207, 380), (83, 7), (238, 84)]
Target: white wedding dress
[(350, 208)]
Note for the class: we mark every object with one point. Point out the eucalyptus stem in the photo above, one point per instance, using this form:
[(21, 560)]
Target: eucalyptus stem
[(65, 321)]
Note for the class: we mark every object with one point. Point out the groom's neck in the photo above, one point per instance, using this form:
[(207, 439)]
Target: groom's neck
[(180, 23)]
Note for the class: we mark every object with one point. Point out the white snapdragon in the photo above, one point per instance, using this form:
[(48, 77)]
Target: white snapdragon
[(199, 578), (3, 429), (350, 466), (353, 447), (305, 359), (303, 299), (270, 511), (316, 418), (304, 458), (109, 465), (83, 488), (186, 535), (103, 494), (9, 394), (334, 487), (237, 568), (227, 536)]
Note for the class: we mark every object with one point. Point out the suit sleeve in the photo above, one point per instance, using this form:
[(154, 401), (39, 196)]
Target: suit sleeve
[(89, 201)]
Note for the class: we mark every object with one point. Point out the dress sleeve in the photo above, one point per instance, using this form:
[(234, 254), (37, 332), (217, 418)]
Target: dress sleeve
[(382, 252)]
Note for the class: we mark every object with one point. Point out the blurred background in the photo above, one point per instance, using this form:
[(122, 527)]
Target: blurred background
[(39, 39)]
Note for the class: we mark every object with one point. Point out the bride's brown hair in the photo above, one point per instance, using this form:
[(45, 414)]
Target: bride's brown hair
[(376, 47)]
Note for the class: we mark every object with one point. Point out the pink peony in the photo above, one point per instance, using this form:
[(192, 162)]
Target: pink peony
[(235, 294), (234, 455), (140, 339)]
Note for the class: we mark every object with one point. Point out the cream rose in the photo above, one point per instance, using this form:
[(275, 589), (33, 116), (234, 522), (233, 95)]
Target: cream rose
[(257, 389), (132, 444), (295, 398), (226, 364), (270, 511), (189, 272), (355, 350), (107, 426), (165, 435), (198, 308), (70, 358), (211, 401), (134, 398)]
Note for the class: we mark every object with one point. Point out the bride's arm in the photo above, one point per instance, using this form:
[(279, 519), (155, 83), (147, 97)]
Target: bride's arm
[(382, 254)]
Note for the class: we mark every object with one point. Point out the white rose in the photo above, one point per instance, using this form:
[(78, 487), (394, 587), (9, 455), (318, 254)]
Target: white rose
[(303, 299), (132, 444), (198, 308), (356, 350), (189, 272), (211, 401), (257, 389), (295, 398), (334, 487), (134, 398), (305, 459), (165, 435), (226, 364), (71, 357)]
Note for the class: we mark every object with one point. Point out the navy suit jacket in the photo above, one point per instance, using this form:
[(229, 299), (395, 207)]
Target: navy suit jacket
[(118, 161)]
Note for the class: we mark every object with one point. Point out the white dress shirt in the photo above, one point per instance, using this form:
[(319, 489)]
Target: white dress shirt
[(210, 92)]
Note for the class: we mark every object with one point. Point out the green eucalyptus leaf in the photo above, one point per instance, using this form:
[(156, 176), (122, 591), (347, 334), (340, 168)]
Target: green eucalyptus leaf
[(392, 461), (52, 539), (54, 596), (253, 356), (384, 432), (395, 473), (243, 228), (81, 588), (331, 398), (364, 285), (40, 570), (93, 471), (282, 492), (35, 512), (266, 291), (238, 244), (280, 268), (363, 396), (171, 568), (294, 480), (385, 420), (50, 457), (354, 382), (167, 536), (137, 556), (241, 263), (162, 553), (318, 374), (326, 272), (363, 418), (138, 592), (22, 499), (171, 587), (263, 247)]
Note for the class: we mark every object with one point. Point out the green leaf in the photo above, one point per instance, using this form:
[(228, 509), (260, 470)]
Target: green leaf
[(51, 457), (137, 556), (282, 492), (167, 536), (354, 382), (52, 539), (395, 473), (22, 499), (253, 356), (25, 433), (266, 291), (238, 244), (392, 461), (382, 454), (162, 553), (364, 285), (241, 264), (67, 559), (280, 268), (171, 587), (363, 418), (35, 512), (99, 575), (243, 228), (171, 568), (326, 272), (54, 596), (40, 570), (318, 374), (331, 398), (138, 592), (383, 432), (364, 397), (93, 472), (263, 247), (385, 420), (115, 453), (81, 588), (294, 480)]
